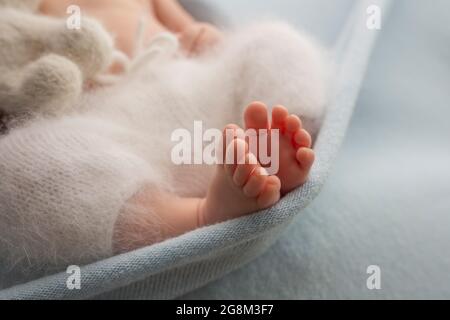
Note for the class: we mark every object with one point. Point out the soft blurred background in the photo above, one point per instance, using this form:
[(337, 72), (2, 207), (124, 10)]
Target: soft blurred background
[(387, 202)]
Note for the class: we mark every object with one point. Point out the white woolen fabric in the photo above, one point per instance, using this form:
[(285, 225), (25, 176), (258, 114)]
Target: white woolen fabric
[(64, 181), (62, 185), (43, 63)]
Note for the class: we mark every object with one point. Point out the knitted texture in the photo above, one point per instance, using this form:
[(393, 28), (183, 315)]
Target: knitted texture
[(179, 265), (64, 181), (43, 63), (63, 185)]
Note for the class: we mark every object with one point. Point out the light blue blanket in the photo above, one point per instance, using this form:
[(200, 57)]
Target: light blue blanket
[(178, 266), (387, 201)]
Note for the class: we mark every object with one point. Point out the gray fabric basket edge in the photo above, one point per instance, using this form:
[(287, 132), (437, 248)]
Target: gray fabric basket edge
[(177, 266)]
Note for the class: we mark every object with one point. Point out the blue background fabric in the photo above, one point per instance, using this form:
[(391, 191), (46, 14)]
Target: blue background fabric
[(385, 204), (387, 201), (178, 266)]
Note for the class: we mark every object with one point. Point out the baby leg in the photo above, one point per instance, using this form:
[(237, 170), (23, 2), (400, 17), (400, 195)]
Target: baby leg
[(63, 184), (239, 187)]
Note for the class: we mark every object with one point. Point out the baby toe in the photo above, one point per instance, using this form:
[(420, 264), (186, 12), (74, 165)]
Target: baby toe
[(293, 124), (305, 158), (234, 152), (279, 116), (256, 116), (231, 132), (256, 183), (245, 169), (303, 139)]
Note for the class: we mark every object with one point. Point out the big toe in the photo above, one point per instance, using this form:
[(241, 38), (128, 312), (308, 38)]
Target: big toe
[(256, 116)]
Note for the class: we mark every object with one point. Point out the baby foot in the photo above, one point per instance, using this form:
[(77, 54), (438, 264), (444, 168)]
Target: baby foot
[(296, 155), (240, 186)]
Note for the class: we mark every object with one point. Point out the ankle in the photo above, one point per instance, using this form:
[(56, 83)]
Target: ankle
[(201, 213)]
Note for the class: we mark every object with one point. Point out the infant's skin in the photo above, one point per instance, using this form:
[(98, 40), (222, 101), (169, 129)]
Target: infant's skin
[(246, 187), (122, 18), (236, 190)]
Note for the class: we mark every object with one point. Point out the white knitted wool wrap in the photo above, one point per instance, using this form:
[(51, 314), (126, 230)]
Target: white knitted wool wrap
[(63, 182), (62, 186)]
